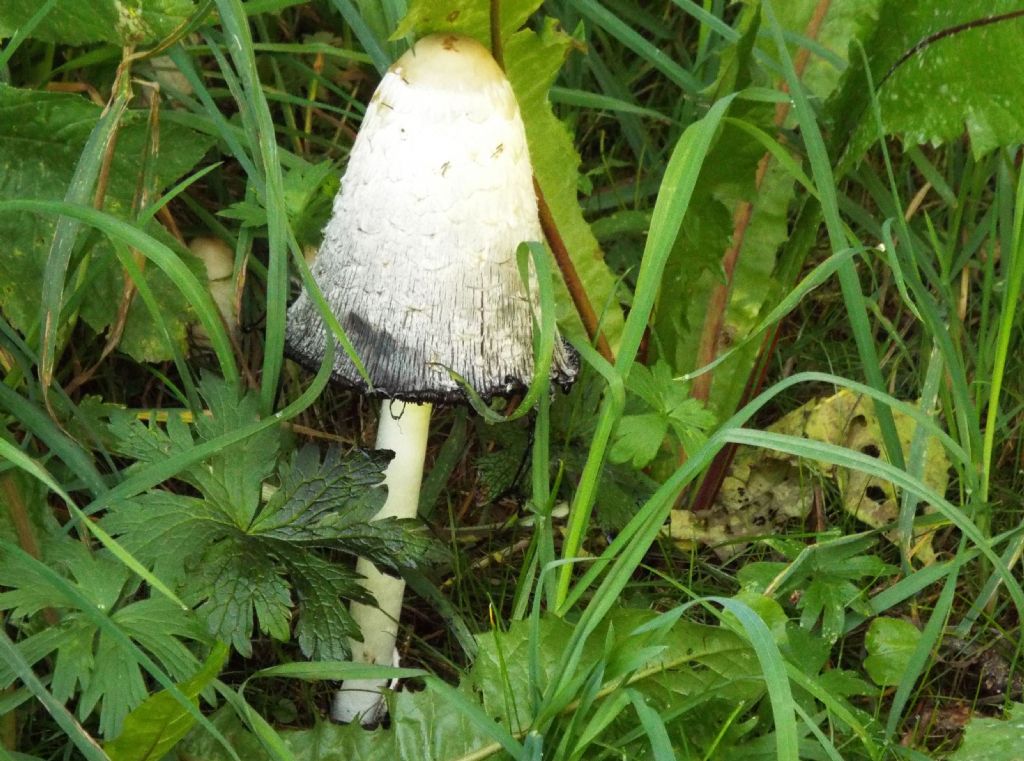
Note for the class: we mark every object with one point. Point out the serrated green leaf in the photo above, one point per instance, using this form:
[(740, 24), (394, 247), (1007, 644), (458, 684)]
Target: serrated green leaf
[(890, 643), (498, 471), (42, 135), (968, 80), (234, 476), (156, 726), (827, 598), (309, 190), (325, 626), (120, 22), (235, 582), (90, 662), (469, 17), (345, 488), (165, 531), (239, 564), (116, 685), (638, 438)]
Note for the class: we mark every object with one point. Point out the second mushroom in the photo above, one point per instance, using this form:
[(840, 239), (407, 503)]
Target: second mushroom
[(418, 264)]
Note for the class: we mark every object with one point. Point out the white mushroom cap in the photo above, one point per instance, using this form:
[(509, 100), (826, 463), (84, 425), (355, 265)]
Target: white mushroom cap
[(418, 261)]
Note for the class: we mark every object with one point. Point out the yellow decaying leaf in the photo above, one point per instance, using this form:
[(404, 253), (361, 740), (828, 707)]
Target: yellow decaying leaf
[(765, 490)]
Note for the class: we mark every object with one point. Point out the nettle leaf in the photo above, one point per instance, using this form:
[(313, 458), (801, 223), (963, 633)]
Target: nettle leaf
[(120, 22), (967, 80), (42, 135), (500, 468), (88, 661)]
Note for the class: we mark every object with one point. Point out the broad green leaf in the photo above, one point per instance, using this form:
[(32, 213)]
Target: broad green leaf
[(703, 670), (988, 739), (890, 643), (156, 726), (845, 24), (969, 80), (638, 439), (120, 22), (694, 269), (727, 179), (469, 17), (41, 137), (532, 61)]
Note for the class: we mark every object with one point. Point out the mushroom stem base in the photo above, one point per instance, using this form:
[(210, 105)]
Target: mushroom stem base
[(403, 429)]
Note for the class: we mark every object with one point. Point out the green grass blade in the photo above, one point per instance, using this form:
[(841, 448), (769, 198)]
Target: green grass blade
[(773, 666), (848, 279), (370, 42), (255, 107), (88, 747), (24, 32), (79, 192), (162, 256), (633, 40), (919, 659), (677, 187)]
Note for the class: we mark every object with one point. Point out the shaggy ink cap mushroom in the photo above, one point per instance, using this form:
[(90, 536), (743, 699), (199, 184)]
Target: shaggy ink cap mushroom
[(418, 261)]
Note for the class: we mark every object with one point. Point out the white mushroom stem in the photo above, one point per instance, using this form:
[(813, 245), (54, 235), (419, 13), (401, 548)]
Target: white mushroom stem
[(403, 430)]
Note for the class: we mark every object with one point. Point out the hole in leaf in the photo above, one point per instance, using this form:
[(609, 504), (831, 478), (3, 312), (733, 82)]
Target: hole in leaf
[(871, 450), (876, 493)]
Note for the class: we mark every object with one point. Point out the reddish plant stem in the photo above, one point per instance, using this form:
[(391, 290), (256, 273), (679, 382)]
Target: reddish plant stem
[(714, 323), (572, 279), (570, 276)]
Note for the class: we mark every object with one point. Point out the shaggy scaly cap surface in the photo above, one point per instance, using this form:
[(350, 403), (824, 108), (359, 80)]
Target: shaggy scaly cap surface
[(418, 261)]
